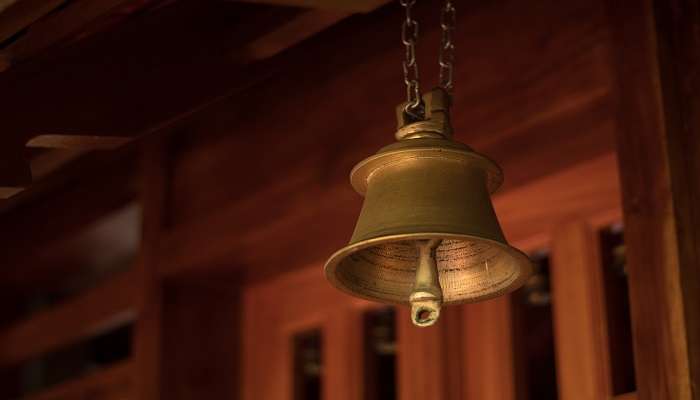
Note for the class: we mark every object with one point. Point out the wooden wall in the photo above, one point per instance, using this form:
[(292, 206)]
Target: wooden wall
[(244, 199)]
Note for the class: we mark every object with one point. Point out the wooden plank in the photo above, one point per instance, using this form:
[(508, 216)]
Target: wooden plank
[(112, 383), (659, 150), (98, 310), (285, 36), (489, 366), (589, 190), (578, 305), (627, 396)]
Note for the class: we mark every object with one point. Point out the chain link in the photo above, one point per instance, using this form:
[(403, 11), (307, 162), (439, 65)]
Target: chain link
[(448, 21), (409, 36)]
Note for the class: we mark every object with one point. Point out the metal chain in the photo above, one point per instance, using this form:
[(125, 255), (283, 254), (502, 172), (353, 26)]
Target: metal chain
[(409, 36), (448, 20)]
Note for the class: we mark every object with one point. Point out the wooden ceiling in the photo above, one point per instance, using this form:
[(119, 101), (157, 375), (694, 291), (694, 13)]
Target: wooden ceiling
[(69, 69)]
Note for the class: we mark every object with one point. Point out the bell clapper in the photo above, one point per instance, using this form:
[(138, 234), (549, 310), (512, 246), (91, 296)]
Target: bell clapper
[(426, 297)]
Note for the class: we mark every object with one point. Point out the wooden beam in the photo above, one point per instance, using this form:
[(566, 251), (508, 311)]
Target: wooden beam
[(657, 49), (149, 329), (59, 26), (98, 86), (21, 14), (112, 383), (92, 104), (578, 305), (285, 36), (98, 310)]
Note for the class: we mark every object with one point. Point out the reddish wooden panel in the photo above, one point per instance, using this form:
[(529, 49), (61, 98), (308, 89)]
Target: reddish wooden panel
[(583, 359), (562, 97), (488, 351), (658, 146)]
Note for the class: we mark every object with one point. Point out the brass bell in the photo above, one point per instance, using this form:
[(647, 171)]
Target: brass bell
[(427, 234)]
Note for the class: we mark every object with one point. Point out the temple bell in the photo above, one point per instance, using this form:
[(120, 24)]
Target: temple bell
[(427, 234)]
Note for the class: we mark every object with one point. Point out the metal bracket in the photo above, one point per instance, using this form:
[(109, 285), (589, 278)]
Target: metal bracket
[(437, 118)]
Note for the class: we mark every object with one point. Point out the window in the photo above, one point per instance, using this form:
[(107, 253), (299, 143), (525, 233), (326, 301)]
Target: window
[(308, 365), (380, 354), (533, 335), (618, 310)]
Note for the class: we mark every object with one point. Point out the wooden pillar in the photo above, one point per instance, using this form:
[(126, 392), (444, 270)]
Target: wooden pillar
[(148, 327), (578, 305), (487, 352), (342, 355), (186, 338), (428, 358), (200, 341), (658, 60)]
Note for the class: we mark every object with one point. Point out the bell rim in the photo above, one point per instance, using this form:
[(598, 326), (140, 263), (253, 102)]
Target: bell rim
[(525, 264), (360, 174)]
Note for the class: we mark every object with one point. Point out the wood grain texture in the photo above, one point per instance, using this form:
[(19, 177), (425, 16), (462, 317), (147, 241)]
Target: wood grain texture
[(422, 358), (657, 46), (111, 383), (342, 355), (578, 305), (487, 351), (286, 35), (98, 310)]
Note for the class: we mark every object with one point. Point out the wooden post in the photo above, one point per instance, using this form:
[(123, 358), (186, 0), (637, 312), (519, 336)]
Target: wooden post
[(148, 328), (429, 357), (487, 352), (658, 59), (583, 359), (343, 356)]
